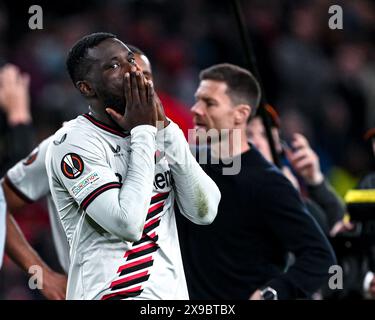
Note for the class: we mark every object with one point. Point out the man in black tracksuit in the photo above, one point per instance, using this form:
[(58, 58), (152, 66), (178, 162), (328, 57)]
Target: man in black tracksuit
[(243, 253)]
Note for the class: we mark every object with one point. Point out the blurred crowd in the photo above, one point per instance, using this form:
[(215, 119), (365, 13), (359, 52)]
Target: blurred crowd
[(321, 81)]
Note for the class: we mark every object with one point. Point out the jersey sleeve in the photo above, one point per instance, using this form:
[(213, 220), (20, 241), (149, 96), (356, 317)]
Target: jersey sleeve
[(79, 166), (197, 194), (28, 178)]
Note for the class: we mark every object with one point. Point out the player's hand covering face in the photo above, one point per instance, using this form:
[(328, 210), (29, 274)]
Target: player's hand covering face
[(141, 106)]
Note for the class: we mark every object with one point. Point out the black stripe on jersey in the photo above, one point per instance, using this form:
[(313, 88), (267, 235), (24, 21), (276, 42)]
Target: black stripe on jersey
[(137, 267), (91, 197), (154, 213), (142, 253), (151, 227), (104, 126), (158, 198), (144, 239), (130, 282), (126, 295), (18, 192)]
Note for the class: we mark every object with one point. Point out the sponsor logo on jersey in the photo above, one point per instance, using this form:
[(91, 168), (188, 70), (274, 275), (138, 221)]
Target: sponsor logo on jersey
[(72, 165), (117, 150), (31, 158), (57, 142), (119, 177), (163, 180), (84, 183)]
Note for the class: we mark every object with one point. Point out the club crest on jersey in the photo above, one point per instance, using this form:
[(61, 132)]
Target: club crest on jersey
[(31, 158), (72, 165)]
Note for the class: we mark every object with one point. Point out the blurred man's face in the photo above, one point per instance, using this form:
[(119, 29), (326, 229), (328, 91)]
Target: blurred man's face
[(112, 59), (144, 64), (257, 135), (213, 108)]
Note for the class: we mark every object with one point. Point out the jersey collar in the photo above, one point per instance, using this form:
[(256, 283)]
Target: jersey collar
[(105, 127)]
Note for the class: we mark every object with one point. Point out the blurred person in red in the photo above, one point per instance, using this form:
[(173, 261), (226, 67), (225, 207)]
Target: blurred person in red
[(175, 110)]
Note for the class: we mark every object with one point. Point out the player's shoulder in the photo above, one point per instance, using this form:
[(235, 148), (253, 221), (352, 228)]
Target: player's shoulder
[(73, 132), (76, 136), (72, 127)]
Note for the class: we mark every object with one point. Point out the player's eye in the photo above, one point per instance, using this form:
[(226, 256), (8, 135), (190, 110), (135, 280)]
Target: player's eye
[(209, 103), (131, 60), (114, 65)]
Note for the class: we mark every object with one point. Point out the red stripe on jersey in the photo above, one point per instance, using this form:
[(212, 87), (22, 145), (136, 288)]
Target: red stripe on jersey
[(146, 246), (151, 222), (127, 279), (156, 206), (152, 235), (135, 263), (159, 195), (123, 292), (142, 276)]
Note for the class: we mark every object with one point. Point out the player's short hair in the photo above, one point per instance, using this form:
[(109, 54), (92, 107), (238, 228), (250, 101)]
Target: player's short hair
[(77, 62), (135, 50), (243, 88)]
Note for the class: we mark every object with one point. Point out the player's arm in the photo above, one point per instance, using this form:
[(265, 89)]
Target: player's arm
[(122, 209), (20, 251), (197, 195)]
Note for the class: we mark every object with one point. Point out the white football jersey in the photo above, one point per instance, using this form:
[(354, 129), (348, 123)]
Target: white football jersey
[(102, 181), (28, 179)]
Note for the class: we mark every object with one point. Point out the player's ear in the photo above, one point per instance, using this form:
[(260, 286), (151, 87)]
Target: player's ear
[(243, 112), (85, 88)]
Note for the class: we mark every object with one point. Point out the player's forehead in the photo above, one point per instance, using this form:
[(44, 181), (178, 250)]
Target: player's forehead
[(211, 88), (108, 49)]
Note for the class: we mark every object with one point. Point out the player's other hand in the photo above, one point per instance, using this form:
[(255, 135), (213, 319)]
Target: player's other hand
[(14, 94), (140, 106), (162, 119), (305, 161), (54, 285)]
